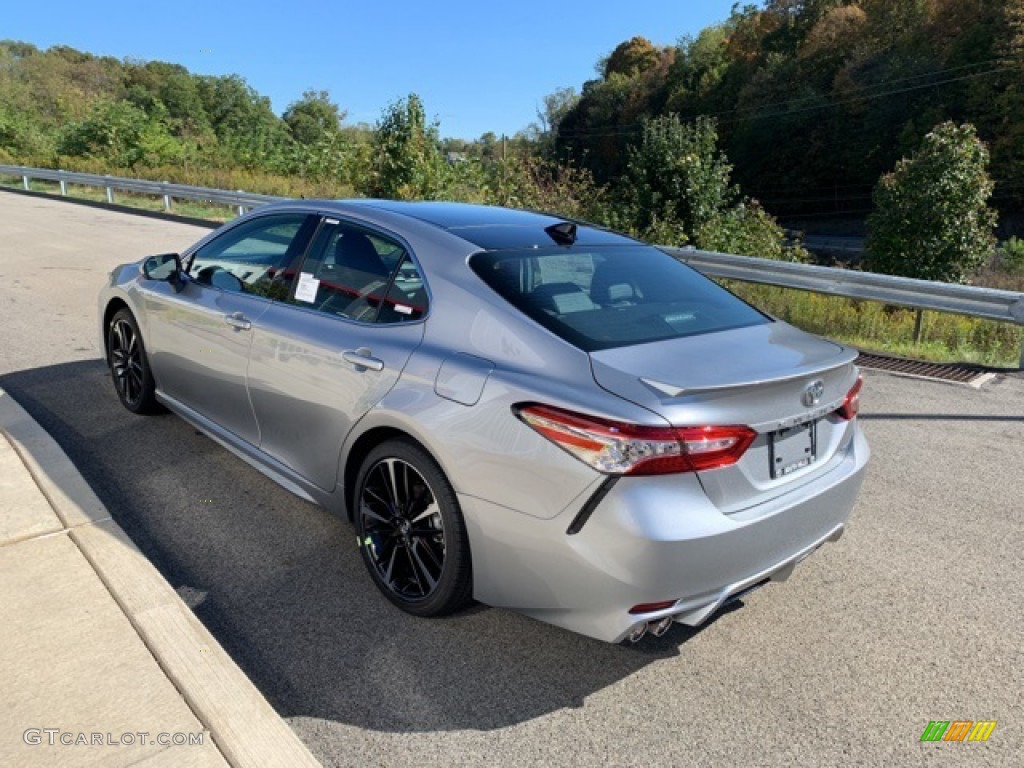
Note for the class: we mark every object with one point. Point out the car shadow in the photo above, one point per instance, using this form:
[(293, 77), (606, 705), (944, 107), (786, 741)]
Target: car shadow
[(280, 584)]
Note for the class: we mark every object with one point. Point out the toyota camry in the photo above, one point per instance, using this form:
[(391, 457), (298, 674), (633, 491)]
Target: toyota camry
[(509, 407)]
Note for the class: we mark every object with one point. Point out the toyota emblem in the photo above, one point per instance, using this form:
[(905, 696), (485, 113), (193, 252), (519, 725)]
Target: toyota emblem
[(813, 393)]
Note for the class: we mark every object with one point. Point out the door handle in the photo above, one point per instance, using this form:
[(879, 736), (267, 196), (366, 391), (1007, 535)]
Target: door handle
[(362, 360), (238, 321)]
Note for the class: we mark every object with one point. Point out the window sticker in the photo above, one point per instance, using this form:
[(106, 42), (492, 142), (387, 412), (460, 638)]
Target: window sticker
[(307, 287), (402, 309)]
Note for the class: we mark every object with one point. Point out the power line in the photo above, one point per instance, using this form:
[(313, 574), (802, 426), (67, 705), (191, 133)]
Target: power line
[(871, 97), (872, 86), (761, 112)]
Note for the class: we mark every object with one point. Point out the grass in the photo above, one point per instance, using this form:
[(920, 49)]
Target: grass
[(890, 330), (194, 208), (865, 324)]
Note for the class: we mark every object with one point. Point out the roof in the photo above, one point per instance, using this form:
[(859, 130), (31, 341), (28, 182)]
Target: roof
[(491, 227)]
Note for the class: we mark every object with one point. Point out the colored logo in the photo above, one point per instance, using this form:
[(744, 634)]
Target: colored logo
[(958, 730)]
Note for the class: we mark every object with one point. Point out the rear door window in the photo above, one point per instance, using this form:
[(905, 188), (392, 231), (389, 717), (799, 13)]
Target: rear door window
[(361, 275)]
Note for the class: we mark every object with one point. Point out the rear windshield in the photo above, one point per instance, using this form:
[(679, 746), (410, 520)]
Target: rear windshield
[(615, 296)]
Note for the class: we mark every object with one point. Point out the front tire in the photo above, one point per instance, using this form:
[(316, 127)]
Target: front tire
[(129, 366), (411, 532)]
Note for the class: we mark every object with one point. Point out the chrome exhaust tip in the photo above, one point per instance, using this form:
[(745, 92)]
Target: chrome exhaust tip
[(638, 632), (659, 628)]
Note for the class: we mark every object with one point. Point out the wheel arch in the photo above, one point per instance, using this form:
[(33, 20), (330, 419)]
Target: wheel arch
[(361, 448), (114, 306)]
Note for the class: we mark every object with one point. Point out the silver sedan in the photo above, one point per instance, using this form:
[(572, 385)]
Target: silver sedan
[(534, 413)]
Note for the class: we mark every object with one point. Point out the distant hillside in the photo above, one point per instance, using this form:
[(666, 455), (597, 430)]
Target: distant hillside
[(816, 98), (45, 93), (813, 100), (69, 108)]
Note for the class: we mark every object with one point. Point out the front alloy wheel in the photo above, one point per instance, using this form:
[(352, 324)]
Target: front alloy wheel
[(129, 367), (410, 530)]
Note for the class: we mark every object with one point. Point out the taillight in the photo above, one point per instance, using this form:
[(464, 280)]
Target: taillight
[(851, 405), (620, 448)]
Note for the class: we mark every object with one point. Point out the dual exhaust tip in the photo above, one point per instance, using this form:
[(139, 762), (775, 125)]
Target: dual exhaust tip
[(656, 628)]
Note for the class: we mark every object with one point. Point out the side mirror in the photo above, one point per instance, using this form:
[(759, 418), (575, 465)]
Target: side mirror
[(165, 267)]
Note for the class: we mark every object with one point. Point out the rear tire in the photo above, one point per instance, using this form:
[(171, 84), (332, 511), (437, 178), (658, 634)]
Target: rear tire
[(410, 530), (129, 366)]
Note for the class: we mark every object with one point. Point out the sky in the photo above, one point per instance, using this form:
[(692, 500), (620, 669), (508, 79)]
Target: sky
[(478, 66)]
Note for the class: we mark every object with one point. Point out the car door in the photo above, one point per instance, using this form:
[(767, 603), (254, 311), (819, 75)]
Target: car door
[(323, 357), (199, 339)]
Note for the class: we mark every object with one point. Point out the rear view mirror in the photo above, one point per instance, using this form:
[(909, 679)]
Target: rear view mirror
[(165, 267)]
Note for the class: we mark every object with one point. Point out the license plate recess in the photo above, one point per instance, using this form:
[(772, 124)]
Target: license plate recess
[(792, 449)]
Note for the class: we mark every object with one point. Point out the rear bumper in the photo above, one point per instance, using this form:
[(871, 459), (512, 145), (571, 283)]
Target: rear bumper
[(695, 611), (653, 539)]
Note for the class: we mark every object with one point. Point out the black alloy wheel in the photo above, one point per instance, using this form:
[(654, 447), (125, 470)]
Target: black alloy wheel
[(410, 531), (129, 367)]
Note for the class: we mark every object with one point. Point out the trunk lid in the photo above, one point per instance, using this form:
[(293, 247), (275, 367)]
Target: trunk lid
[(773, 378)]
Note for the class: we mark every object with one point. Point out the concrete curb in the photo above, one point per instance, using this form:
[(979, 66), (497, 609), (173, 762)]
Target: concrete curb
[(243, 725)]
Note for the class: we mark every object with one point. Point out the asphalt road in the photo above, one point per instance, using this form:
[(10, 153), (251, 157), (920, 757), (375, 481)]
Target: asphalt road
[(917, 614)]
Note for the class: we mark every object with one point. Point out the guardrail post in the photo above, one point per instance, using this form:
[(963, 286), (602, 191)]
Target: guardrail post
[(167, 199), (24, 183), (1022, 354), (241, 208), (63, 186), (110, 192), (917, 327)]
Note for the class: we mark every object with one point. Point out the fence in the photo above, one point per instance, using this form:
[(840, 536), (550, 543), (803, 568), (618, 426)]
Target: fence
[(988, 303), (241, 201)]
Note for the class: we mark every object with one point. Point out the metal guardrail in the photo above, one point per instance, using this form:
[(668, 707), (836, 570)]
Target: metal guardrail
[(988, 303), (242, 201)]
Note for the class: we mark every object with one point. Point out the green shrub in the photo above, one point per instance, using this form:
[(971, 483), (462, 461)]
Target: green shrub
[(1011, 255), (932, 220), (407, 163), (677, 179), (678, 189), (527, 181), (747, 229)]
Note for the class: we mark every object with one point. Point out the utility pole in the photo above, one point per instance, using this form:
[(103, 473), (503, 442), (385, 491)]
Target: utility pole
[(504, 170)]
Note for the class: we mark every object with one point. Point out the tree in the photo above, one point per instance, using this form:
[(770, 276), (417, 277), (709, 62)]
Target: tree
[(1013, 14), (699, 66), (676, 178), (122, 134), (170, 87), (248, 132), (321, 151), (747, 229), (678, 190), (544, 132), (834, 37), (314, 118), (630, 58), (932, 220), (534, 183), (407, 159)]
